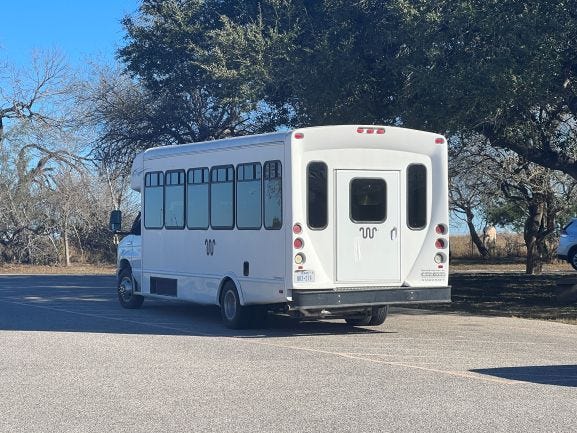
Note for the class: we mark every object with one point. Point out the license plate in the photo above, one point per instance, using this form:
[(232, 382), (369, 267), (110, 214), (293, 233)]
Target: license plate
[(305, 276)]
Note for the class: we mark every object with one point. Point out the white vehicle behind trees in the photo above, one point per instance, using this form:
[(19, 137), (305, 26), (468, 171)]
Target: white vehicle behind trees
[(335, 221)]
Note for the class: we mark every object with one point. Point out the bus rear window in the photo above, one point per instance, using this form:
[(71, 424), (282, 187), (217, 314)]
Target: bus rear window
[(368, 199), (417, 196), (317, 204)]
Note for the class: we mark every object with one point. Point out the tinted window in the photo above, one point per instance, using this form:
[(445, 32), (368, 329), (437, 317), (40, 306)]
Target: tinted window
[(197, 199), (222, 197), (317, 204), (154, 200), (248, 196), (368, 199), (417, 196), (174, 199), (272, 195)]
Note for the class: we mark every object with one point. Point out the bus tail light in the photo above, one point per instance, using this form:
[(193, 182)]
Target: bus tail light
[(298, 243), (297, 229), (440, 258), (441, 229), (300, 259), (440, 243)]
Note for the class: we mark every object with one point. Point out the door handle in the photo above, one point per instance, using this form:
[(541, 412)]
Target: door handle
[(394, 233)]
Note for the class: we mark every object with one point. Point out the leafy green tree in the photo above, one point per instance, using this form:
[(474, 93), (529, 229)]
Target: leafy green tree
[(503, 69)]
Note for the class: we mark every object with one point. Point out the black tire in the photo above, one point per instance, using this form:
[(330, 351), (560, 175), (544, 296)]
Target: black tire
[(126, 296), (363, 321), (234, 315), (377, 317), (572, 258)]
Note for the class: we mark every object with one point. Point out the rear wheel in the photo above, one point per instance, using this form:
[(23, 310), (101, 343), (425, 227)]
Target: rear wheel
[(379, 315), (234, 315), (126, 295), (376, 317)]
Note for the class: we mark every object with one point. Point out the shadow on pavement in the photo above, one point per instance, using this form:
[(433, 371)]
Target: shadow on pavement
[(88, 303), (560, 375)]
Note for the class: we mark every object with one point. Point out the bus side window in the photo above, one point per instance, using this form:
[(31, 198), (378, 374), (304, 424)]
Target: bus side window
[(222, 197), (272, 195), (417, 196), (174, 199), (197, 199), (317, 195), (154, 200), (249, 196)]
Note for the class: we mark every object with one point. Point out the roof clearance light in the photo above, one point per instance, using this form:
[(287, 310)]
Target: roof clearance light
[(299, 135), (360, 130), (439, 140), (380, 131), (370, 130)]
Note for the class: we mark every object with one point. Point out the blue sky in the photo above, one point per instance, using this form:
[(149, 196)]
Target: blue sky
[(81, 30)]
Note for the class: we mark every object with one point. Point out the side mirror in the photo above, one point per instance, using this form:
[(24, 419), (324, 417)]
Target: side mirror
[(116, 221)]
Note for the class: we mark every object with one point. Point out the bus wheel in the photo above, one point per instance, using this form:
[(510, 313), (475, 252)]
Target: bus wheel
[(233, 314), (379, 315), (126, 295), (376, 318)]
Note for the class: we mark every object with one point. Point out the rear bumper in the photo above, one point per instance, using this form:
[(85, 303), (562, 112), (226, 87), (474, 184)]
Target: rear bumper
[(331, 299)]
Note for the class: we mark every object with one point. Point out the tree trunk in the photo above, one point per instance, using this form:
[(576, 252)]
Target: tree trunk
[(533, 224), (474, 236), (66, 245)]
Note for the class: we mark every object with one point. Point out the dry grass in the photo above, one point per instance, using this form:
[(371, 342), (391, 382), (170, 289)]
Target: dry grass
[(75, 269), (506, 245)]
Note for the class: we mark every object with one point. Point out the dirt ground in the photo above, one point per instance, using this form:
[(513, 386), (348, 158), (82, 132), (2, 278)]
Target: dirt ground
[(501, 288), (497, 288)]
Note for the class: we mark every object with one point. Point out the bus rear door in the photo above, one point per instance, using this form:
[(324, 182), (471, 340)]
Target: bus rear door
[(367, 226)]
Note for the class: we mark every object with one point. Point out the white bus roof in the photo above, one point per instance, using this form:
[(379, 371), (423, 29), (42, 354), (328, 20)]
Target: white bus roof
[(263, 139)]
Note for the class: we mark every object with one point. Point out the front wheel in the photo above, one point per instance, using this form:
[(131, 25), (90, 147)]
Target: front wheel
[(126, 296)]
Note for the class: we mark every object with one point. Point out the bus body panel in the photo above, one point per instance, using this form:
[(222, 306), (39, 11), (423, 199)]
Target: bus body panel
[(199, 268)]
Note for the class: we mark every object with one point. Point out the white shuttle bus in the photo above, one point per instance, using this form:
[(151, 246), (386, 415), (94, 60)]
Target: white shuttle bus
[(335, 221)]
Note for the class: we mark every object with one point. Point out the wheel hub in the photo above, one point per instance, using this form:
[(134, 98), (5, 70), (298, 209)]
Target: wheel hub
[(229, 305), (125, 288)]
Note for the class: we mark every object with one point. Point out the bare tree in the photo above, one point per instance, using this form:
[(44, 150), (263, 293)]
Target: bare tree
[(471, 185)]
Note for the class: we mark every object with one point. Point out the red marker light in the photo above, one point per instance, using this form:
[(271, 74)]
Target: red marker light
[(299, 135), (360, 130), (440, 243), (370, 130), (380, 131), (439, 140)]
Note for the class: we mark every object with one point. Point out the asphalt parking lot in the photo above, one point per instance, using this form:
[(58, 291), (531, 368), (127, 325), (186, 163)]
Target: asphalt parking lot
[(72, 360)]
